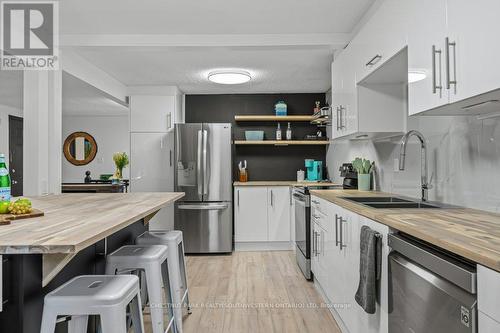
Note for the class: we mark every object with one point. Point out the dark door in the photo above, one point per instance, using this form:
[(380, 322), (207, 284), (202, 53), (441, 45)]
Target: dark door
[(16, 155)]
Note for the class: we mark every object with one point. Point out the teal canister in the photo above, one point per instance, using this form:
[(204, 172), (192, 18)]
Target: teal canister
[(280, 108)]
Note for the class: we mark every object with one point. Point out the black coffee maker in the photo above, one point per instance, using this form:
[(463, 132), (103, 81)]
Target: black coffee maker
[(350, 177)]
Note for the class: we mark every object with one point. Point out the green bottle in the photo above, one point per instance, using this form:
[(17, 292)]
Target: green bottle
[(4, 180)]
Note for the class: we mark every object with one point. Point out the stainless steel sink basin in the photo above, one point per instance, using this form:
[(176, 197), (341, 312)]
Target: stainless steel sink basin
[(390, 203), (375, 199), (399, 205)]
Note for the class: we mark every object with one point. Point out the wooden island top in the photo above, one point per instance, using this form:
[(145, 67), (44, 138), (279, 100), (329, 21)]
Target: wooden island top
[(74, 221)]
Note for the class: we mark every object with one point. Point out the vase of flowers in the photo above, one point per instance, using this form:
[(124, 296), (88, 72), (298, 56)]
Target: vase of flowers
[(364, 168), (121, 161)]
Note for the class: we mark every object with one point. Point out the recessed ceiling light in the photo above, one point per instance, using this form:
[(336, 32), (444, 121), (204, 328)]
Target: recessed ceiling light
[(416, 75), (229, 77)]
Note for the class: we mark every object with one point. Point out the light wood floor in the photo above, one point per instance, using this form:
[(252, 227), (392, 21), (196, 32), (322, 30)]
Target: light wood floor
[(220, 287)]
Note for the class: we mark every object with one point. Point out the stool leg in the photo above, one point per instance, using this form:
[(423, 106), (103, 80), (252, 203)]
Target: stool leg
[(49, 319), (182, 265), (168, 291), (154, 285), (114, 320), (136, 314), (78, 324)]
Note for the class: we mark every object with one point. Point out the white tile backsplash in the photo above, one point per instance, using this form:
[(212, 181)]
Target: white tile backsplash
[(464, 161)]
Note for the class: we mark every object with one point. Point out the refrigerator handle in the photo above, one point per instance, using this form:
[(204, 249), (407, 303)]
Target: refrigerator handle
[(205, 176), (199, 177)]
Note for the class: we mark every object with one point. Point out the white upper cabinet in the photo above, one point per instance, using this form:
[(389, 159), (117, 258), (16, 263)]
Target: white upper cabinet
[(380, 38), (473, 28), (454, 43), (426, 36), (153, 113)]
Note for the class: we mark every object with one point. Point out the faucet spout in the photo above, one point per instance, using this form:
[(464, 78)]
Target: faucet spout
[(424, 169)]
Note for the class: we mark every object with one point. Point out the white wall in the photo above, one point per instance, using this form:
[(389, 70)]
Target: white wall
[(111, 135), (5, 111), (464, 161)]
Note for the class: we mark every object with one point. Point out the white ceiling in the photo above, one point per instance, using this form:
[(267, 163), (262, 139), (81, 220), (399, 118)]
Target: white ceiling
[(81, 99), (273, 69), (210, 16), (287, 45)]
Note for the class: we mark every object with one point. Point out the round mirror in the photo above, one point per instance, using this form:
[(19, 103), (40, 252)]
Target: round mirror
[(80, 148)]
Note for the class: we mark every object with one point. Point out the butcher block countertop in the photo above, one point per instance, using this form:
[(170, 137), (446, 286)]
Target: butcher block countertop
[(74, 221), (283, 183), (470, 233)]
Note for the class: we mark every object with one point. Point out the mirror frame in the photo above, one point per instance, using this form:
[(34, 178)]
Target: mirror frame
[(67, 144)]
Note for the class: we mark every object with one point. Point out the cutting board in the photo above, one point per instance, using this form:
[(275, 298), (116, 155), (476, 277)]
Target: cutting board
[(5, 219)]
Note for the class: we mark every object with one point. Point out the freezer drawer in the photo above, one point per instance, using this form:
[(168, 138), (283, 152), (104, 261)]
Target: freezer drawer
[(206, 227)]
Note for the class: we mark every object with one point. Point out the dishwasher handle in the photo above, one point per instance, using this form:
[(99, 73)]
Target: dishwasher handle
[(436, 260)]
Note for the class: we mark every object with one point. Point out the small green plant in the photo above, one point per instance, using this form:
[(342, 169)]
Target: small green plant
[(121, 161), (362, 166)]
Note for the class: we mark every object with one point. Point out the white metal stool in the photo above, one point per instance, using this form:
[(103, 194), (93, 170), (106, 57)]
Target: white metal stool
[(152, 260), (103, 295), (176, 264)]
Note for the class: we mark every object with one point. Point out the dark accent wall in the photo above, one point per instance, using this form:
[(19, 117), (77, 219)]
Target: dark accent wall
[(264, 162)]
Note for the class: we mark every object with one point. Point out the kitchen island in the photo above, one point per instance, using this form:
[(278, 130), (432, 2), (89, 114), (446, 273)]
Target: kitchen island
[(72, 238)]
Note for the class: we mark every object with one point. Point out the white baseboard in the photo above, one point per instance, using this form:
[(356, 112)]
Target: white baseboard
[(263, 246)]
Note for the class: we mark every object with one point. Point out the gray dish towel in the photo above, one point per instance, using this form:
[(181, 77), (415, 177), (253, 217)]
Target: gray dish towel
[(370, 266)]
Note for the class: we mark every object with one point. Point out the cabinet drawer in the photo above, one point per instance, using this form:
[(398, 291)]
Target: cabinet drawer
[(488, 289), (321, 219), (486, 324), (319, 205)]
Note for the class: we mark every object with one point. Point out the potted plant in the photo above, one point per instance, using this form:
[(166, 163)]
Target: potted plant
[(121, 161), (363, 167)]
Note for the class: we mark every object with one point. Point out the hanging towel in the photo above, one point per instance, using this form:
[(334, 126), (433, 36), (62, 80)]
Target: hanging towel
[(370, 266)]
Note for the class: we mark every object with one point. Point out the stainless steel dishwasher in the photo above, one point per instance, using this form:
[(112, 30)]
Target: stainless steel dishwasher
[(430, 290)]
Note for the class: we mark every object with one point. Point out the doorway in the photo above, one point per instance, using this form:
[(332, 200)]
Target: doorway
[(16, 155)]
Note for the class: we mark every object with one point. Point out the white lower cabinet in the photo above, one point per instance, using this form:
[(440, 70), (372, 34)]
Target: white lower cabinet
[(486, 324), (262, 214), (335, 263)]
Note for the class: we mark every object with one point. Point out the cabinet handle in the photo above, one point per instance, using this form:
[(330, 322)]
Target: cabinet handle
[(336, 230), (374, 60), (314, 244), (238, 197), (342, 245), (315, 202), (342, 117), (271, 198), (338, 117), (170, 156), (435, 86), (290, 189), (447, 58), (317, 243)]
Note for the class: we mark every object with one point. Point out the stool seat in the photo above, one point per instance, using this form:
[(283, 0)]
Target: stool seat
[(150, 253), (103, 295), (91, 289), (160, 236)]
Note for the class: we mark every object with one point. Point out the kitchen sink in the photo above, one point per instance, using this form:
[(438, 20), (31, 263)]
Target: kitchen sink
[(390, 203), (375, 199), (399, 205)]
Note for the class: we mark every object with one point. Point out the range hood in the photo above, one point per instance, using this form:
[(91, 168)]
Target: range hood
[(322, 117)]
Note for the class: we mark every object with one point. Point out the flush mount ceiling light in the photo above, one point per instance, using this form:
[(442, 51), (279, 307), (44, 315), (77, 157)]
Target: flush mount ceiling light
[(416, 75), (229, 77)]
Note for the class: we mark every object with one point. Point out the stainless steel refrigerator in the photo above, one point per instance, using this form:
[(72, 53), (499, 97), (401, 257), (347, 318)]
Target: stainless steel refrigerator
[(203, 164)]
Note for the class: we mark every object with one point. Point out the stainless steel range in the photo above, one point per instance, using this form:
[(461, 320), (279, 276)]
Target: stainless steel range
[(302, 200)]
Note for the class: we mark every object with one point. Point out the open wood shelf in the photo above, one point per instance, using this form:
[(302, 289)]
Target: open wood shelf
[(282, 142), (304, 118)]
